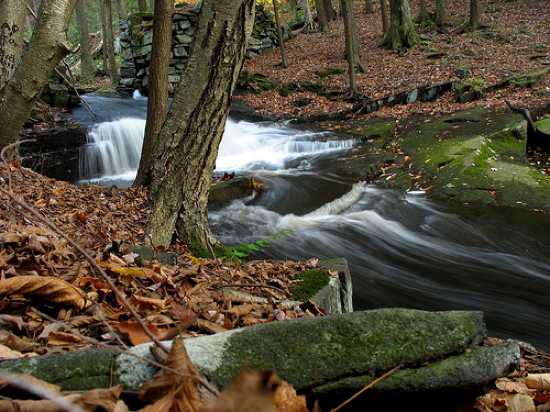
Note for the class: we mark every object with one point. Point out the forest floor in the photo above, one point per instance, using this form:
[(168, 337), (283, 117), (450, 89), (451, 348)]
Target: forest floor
[(515, 40)]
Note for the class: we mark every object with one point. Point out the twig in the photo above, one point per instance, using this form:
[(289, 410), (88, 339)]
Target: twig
[(32, 12), (249, 285), (88, 107), (367, 387)]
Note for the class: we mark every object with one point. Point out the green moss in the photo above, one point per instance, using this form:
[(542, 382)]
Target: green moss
[(330, 71), (312, 281)]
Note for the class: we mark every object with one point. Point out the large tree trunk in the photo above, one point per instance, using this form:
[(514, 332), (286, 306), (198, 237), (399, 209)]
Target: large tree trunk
[(423, 13), (440, 12), (293, 9), (475, 20), (384, 15), (351, 54), (121, 9), (142, 5), (187, 146), (329, 8), (280, 34), (157, 105), (87, 67), (401, 33), (322, 17), (47, 47), (108, 47), (309, 24), (12, 19)]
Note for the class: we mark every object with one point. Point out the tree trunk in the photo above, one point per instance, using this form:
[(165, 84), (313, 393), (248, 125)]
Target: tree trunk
[(12, 18), (108, 47), (157, 105), (142, 6), (309, 24), (187, 146), (280, 34), (423, 13), (322, 17), (358, 58), (440, 12), (121, 9), (369, 6), (475, 20), (384, 15), (47, 47), (401, 33), (347, 14), (87, 67), (293, 9), (329, 8)]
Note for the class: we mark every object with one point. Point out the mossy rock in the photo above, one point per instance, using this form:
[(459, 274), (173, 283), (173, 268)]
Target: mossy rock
[(311, 282)]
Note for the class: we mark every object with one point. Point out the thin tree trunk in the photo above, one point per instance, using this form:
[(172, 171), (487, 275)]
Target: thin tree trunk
[(347, 14), (440, 12), (142, 5), (121, 9), (309, 24), (108, 47), (12, 18), (322, 17), (475, 20), (358, 58), (423, 13), (293, 9), (384, 15), (157, 105), (401, 33), (87, 67), (280, 34), (329, 8), (369, 6), (47, 47), (187, 146)]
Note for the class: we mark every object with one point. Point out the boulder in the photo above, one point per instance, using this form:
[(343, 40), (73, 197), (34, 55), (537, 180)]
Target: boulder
[(225, 191)]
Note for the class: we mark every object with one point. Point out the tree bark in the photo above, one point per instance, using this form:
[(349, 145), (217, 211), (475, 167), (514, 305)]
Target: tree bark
[(47, 47), (280, 34), (401, 33), (475, 20), (309, 24), (87, 67), (187, 146), (108, 47), (121, 9), (322, 17), (12, 18), (423, 13), (440, 12), (157, 105), (384, 15), (369, 6), (329, 8), (142, 6), (347, 14)]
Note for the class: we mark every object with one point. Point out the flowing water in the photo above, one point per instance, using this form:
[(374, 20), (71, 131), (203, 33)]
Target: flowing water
[(404, 249)]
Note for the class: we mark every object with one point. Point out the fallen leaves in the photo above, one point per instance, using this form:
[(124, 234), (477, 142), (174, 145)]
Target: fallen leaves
[(51, 289)]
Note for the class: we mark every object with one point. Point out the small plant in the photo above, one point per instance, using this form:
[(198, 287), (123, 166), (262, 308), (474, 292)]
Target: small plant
[(240, 252), (312, 281)]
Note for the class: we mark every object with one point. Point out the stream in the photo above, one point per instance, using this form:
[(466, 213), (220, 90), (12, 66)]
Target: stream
[(404, 249)]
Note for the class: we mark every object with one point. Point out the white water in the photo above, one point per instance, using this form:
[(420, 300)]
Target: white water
[(114, 148)]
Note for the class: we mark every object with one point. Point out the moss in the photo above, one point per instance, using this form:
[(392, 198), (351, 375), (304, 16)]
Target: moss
[(321, 350), (544, 125), (330, 71), (312, 281)]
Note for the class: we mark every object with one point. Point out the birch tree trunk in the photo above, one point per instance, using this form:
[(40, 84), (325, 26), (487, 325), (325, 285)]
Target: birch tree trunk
[(108, 47), (187, 146), (87, 67), (12, 19), (157, 104), (309, 24), (280, 34), (401, 33), (47, 47)]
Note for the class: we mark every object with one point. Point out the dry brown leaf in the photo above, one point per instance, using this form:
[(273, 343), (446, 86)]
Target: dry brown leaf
[(8, 353), (49, 288), (146, 302), (136, 335), (13, 342), (286, 399), (210, 326), (63, 339), (521, 403), (241, 310), (509, 385), (539, 381), (32, 382)]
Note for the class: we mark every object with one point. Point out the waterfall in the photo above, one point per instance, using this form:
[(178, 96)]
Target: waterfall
[(114, 148)]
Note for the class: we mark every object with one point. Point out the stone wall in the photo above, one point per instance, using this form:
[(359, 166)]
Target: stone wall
[(137, 36)]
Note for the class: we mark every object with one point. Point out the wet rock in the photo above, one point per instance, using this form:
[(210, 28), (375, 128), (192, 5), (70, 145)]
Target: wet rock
[(228, 190)]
